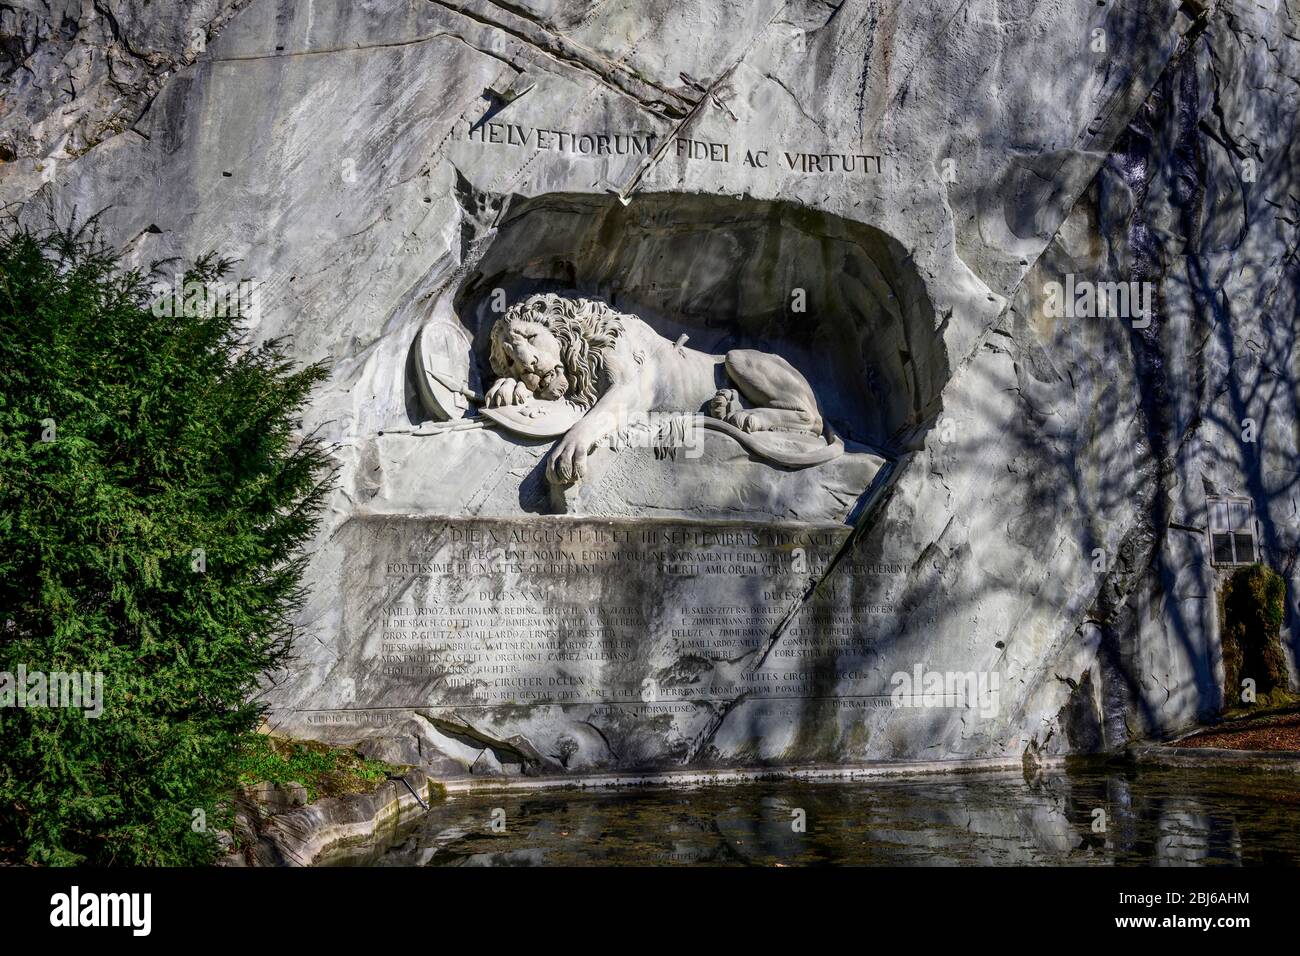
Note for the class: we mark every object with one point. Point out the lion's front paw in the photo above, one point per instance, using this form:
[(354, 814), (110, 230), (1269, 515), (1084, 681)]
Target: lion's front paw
[(507, 391), (568, 464)]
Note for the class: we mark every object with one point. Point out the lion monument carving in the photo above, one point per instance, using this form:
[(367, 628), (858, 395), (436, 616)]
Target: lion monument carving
[(610, 365)]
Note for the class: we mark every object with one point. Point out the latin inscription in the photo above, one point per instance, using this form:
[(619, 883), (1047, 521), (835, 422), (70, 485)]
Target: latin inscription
[(472, 613), (606, 143)]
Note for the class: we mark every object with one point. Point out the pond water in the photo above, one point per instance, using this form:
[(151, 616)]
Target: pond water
[(1151, 817)]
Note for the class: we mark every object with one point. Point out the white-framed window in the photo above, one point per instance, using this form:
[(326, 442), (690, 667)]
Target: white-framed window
[(1231, 529)]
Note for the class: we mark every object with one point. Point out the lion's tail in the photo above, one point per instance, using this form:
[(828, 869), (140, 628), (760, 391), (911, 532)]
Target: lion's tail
[(769, 447)]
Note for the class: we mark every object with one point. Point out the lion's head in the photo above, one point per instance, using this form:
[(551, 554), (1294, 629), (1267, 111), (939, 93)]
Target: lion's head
[(556, 346)]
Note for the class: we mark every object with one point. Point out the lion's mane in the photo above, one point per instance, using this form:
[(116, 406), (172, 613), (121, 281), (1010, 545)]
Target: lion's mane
[(585, 329)]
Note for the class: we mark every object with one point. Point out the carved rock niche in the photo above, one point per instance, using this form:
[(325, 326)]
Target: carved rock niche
[(838, 300)]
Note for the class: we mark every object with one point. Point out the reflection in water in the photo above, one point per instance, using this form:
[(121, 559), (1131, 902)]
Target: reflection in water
[(1169, 817)]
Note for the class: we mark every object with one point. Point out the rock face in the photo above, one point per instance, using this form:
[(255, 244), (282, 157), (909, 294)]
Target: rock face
[(77, 73), (1037, 263)]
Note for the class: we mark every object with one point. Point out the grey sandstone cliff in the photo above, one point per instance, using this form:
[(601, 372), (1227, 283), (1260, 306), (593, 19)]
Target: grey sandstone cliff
[(1024, 491)]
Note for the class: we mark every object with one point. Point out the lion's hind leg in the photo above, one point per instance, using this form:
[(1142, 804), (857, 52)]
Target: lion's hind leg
[(783, 399), (776, 420)]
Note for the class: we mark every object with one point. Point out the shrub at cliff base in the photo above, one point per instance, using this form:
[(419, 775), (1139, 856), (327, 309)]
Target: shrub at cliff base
[(154, 498), (1253, 604)]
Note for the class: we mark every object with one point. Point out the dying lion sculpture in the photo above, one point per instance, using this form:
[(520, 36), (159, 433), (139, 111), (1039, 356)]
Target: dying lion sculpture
[(611, 364)]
